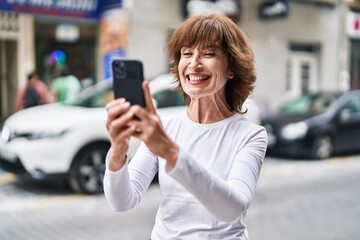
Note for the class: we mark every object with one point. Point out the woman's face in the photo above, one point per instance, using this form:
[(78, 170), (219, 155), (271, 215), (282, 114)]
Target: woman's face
[(203, 72)]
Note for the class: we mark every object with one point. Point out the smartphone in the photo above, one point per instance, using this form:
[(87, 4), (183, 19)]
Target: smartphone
[(127, 80)]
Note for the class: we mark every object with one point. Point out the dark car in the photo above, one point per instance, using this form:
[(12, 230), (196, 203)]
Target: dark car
[(315, 126)]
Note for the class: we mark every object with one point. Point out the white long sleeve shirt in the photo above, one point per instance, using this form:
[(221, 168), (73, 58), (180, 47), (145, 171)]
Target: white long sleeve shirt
[(207, 193)]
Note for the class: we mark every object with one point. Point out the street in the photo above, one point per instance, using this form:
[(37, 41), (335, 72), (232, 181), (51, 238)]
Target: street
[(307, 200), (295, 200)]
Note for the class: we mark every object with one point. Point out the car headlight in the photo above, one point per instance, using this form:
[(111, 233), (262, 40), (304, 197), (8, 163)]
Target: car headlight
[(294, 130), (6, 134), (45, 134)]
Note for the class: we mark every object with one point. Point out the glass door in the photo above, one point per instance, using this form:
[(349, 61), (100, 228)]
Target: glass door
[(302, 74), (355, 64)]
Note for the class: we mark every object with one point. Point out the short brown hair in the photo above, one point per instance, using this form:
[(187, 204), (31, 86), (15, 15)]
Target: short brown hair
[(208, 30), (31, 75)]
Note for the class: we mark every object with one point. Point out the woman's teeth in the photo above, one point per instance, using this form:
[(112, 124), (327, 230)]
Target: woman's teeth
[(197, 78)]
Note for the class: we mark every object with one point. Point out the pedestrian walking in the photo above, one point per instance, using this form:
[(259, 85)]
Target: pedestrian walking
[(33, 93), (208, 158)]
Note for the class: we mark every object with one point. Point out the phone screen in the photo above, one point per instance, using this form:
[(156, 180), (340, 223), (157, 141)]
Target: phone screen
[(127, 80)]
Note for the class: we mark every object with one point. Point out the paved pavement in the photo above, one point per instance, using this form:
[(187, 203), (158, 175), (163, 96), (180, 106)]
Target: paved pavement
[(295, 200), (313, 200), (65, 216)]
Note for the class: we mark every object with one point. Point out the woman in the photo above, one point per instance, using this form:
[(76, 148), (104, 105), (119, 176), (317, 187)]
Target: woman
[(208, 157)]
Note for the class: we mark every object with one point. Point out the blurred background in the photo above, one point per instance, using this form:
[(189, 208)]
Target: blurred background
[(301, 47)]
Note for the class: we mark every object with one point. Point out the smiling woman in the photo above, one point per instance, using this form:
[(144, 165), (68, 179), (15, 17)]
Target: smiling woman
[(208, 157), (221, 50)]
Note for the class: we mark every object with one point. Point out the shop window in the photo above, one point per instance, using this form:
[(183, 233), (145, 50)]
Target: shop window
[(9, 22), (303, 47), (80, 54)]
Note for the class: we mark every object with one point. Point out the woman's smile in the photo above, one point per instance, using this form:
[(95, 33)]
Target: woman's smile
[(197, 79)]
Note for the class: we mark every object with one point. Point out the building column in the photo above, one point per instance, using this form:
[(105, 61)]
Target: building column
[(343, 48), (26, 47)]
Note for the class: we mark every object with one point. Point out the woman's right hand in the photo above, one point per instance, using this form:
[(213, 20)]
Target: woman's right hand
[(119, 132)]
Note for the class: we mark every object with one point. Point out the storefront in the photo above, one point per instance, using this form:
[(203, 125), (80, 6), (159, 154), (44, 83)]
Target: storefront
[(41, 35), (67, 41), (16, 57)]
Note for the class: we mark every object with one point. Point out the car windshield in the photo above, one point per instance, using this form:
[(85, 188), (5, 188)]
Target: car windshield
[(309, 104), (97, 95), (169, 98)]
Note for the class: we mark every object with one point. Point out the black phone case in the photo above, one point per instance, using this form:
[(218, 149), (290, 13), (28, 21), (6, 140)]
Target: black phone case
[(127, 80)]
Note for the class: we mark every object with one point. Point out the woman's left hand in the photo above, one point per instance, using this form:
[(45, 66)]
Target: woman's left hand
[(150, 130)]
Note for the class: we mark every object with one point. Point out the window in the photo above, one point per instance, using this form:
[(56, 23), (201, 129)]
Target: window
[(309, 104)]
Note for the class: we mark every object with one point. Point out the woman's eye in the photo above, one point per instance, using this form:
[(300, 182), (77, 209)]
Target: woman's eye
[(210, 54), (186, 53)]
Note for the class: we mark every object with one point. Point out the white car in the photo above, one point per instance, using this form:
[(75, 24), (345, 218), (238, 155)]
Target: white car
[(69, 142)]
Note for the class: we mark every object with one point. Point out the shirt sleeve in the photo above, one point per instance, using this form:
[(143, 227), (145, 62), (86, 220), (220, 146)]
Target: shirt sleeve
[(123, 188), (225, 199)]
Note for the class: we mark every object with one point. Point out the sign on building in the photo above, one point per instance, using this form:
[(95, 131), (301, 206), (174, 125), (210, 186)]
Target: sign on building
[(353, 25), (91, 9)]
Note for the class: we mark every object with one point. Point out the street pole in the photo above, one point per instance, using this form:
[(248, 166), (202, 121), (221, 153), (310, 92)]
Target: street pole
[(343, 47)]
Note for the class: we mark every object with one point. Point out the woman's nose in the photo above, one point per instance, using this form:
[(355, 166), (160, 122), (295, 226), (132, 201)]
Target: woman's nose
[(195, 63)]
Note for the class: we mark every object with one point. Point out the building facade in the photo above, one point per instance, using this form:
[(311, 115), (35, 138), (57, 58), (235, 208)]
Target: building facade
[(306, 49)]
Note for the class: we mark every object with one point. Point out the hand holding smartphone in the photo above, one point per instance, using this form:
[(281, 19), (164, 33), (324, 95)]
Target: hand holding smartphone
[(127, 80)]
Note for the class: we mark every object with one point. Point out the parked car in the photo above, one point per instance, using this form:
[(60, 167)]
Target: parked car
[(315, 126), (69, 142)]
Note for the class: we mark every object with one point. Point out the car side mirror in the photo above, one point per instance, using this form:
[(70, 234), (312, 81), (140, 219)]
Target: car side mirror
[(345, 115)]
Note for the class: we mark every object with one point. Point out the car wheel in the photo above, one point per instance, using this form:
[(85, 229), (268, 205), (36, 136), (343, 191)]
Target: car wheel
[(87, 171), (323, 147)]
